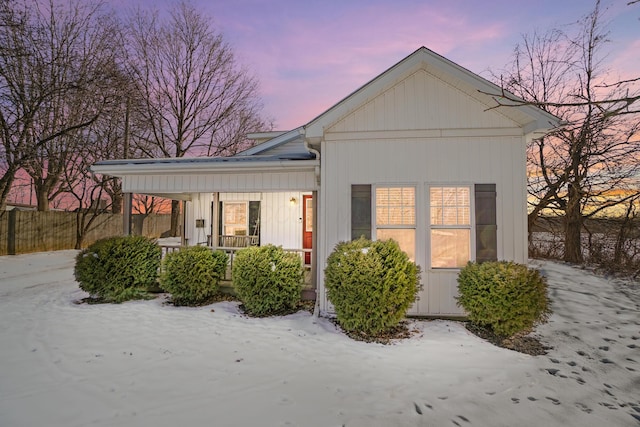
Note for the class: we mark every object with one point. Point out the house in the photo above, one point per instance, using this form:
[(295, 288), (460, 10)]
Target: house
[(417, 154)]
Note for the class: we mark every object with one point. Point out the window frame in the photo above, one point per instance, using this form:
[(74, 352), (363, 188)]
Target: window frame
[(374, 213), (224, 219), (430, 227)]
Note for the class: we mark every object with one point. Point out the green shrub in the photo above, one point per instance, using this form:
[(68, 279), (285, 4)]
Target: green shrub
[(504, 296), (267, 279), (118, 269), (371, 284), (191, 275)]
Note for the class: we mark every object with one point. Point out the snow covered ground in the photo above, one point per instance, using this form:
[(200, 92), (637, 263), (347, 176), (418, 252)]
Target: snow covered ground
[(148, 364)]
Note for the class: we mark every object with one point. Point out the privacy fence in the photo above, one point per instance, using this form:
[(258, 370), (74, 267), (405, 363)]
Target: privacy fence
[(30, 231)]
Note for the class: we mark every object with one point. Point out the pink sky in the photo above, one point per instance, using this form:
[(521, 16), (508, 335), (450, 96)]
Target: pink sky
[(309, 54)]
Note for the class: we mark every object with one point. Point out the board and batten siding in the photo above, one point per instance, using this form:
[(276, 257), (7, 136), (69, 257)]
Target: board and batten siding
[(420, 163), (423, 131), (280, 221), (421, 101), (196, 183)]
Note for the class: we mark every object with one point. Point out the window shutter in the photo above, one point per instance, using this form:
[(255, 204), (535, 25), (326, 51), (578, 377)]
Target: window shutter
[(486, 225), (360, 211), (254, 219)]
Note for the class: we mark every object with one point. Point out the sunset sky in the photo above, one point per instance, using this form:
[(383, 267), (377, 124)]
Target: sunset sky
[(309, 54)]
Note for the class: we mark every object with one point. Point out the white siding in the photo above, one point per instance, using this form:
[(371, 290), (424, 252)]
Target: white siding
[(280, 221), (422, 162), (423, 131), (421, 101), (197, 183), (198, 208)]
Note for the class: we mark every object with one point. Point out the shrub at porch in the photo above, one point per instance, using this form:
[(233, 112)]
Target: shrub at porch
[(118, 269), (267, 279), (371, 284), (191, 275), (504, 296)]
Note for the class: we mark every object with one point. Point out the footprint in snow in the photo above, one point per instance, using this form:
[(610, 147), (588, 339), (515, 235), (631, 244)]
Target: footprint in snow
[(417, 408), (555, 401), (584, 408)]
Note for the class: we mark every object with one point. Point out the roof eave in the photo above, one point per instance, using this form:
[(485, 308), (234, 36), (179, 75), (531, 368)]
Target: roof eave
[(124, 169)]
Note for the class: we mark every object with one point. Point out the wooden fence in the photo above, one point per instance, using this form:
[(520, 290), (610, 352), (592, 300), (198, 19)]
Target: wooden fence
[(30, 231)]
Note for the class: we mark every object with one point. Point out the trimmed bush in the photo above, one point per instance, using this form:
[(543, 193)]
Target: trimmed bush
[(118, 269), (504, 296), (191, 275), (267, 279), (371, 284)]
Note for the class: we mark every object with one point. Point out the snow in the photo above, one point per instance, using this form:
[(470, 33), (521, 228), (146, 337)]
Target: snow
[(145, 363)]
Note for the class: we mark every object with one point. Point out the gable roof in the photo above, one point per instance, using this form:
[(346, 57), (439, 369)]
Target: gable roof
[(278, 141), (532, 119)]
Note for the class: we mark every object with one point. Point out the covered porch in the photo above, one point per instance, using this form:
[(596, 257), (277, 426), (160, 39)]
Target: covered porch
[(232, 203)]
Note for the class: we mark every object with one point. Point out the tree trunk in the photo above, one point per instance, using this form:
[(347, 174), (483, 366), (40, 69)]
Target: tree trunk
[(79, 229), (42, 199), (573, 226), (175, 217), (116, 203)]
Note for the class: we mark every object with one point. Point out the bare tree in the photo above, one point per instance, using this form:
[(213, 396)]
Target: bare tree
[(591, 163), (75, 58), (198, 100)]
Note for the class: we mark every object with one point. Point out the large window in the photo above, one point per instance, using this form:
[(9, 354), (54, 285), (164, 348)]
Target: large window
[(235, 219), (396, 216), (450, 226)]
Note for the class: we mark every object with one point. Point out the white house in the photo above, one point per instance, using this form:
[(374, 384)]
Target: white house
[(417, 154)]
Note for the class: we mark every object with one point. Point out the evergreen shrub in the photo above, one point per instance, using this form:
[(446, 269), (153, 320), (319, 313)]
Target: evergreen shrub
[(118, 269), (371, 284), (504, 296), (191, 275), (267, 279)]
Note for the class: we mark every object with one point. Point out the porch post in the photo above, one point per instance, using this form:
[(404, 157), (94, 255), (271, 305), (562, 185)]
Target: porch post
[(183, 239), (214, 219), (126, 213), (314, 243)]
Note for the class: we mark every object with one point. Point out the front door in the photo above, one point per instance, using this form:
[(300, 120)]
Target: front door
[(307, 226)]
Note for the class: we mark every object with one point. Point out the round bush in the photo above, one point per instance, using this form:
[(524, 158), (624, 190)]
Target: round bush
[(118, 269), (371, 284), (503, 296), (267, 279), (191, 275)]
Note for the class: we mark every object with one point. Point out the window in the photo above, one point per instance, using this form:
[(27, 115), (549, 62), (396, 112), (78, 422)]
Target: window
[(234, 217), (450, 224), (395, 210)]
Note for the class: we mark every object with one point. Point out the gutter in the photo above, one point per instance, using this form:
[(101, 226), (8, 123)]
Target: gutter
[(132, 167)]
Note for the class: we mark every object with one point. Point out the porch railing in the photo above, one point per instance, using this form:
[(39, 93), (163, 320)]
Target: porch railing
[(231, 251), (232, 241)]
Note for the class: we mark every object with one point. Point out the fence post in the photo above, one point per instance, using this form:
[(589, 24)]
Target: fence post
[(11, 232)]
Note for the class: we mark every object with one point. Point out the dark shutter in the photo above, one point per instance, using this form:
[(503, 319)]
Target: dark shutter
[(360, 211), (486, 226), (254, 219)]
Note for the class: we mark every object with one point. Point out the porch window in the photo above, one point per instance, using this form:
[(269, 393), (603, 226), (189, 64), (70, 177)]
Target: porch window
[(450, 226), (235, 219), (395, 213)]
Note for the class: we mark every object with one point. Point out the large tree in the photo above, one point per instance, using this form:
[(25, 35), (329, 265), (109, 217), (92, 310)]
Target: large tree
[(57, 69), (197, 99), (591, 163)]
